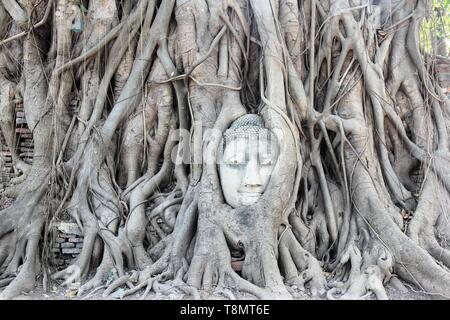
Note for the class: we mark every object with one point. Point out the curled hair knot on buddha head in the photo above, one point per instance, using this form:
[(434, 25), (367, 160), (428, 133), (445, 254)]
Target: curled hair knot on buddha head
[(247, 126)]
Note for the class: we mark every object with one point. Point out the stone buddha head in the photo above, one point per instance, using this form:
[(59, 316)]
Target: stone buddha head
[(248, 155)]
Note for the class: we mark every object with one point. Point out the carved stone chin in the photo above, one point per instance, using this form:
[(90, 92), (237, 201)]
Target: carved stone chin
[(248, 155)]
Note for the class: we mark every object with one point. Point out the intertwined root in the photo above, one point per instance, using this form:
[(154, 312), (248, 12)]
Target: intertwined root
[(300, 266), (20, 261), (363, 278)]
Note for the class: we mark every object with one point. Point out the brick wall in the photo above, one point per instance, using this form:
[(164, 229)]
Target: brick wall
[(67, 237), (67, 243), (24, 144), (443, 73)]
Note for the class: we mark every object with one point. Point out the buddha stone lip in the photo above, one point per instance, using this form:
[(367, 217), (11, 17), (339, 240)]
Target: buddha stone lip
[(251, 194)]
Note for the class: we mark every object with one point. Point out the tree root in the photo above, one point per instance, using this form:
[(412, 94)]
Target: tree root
[(361, 281), (300, 266)]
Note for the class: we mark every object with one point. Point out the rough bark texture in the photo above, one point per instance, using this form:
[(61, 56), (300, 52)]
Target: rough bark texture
[(359, 193)]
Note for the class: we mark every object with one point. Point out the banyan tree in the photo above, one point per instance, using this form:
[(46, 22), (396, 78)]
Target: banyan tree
[(226, 146)]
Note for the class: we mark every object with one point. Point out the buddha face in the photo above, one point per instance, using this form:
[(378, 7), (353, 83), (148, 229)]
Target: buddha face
[(247, 162)]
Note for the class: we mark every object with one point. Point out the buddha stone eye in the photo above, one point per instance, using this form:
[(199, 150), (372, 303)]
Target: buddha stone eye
[(265, 160), (234, 162)]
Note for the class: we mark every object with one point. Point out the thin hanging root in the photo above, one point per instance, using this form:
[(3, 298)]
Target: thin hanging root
[(101, 44), (35, 26), (93, 228)]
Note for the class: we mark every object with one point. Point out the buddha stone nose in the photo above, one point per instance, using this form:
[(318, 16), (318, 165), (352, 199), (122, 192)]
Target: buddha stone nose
[(252, 177)]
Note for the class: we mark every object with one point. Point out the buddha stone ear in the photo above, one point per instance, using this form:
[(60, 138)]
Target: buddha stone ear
[(77, 24)]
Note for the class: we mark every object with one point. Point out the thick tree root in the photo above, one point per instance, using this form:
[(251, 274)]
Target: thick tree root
[(362, 281)]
